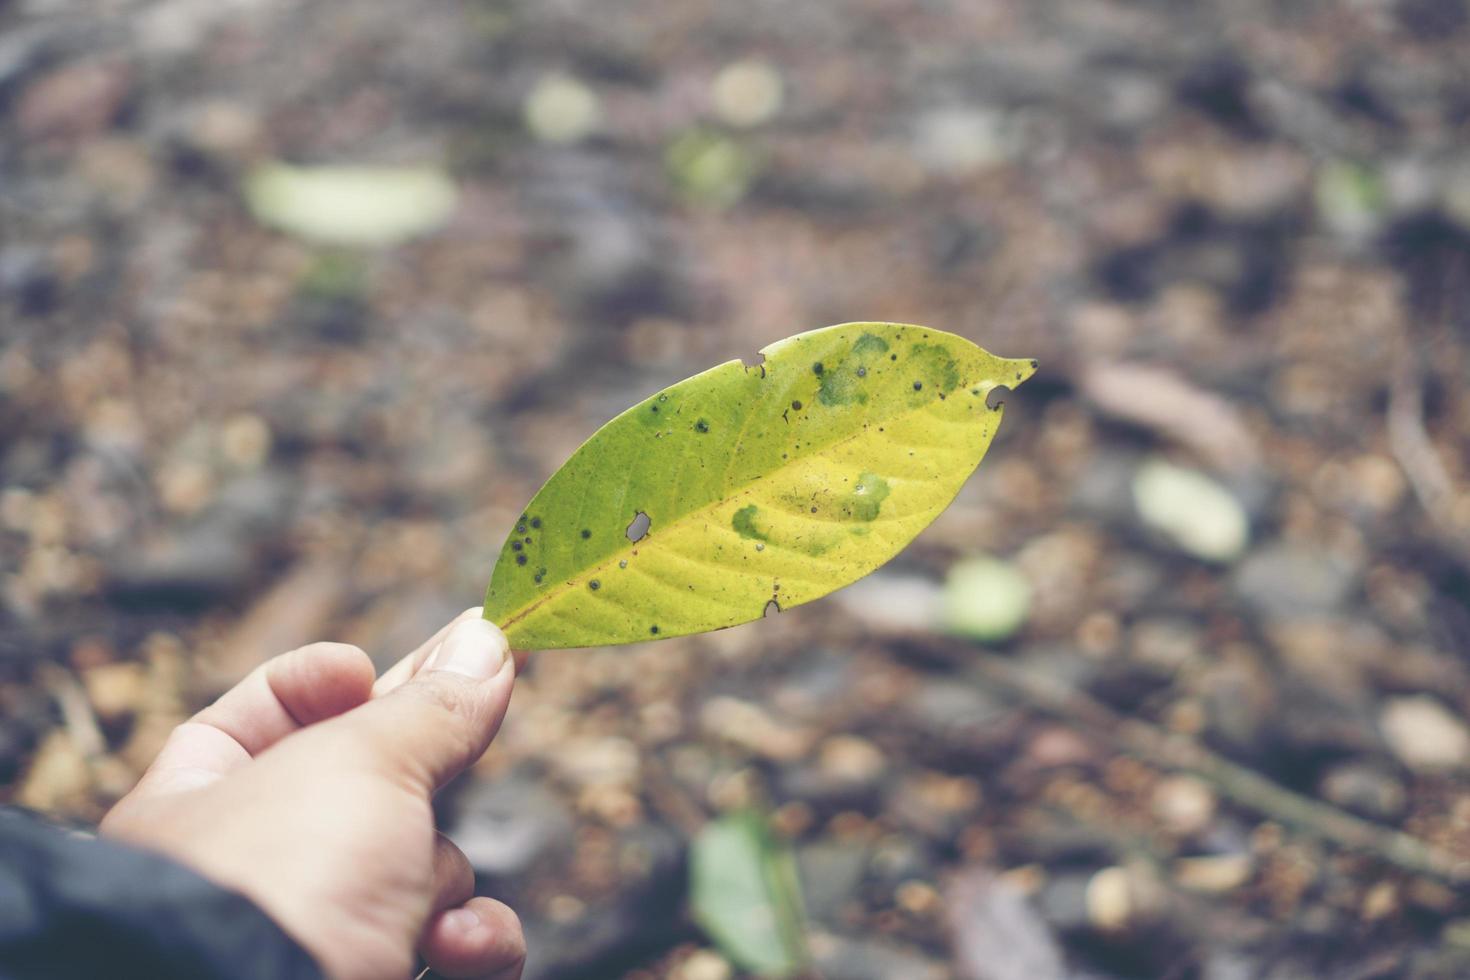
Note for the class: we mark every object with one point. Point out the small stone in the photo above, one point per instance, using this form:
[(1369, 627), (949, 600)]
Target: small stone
[(599, 761), (986, 599), (73, 101), (704, 964), (245, 441), (1191, 510), (1288, 581), (866, 959), (893, 602), (560, 109), (116, 690), (507, 825), (1381, 901), (961, 140), (1214, 873), (58, 779), (1109, 905), (1119, 899), (1365, 790), (749, 726), (850, 759), (1424, 735), (1184, 804), (997, 933), (747, 93)]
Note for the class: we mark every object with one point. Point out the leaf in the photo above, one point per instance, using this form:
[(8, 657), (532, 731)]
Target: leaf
[(769, 484), (350, 205), (745, 894)]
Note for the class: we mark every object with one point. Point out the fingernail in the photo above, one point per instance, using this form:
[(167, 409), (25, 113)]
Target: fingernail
[(475, 648), (463, 921)]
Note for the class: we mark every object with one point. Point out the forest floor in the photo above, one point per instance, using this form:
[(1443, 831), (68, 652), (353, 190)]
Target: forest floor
[(1235, 234)]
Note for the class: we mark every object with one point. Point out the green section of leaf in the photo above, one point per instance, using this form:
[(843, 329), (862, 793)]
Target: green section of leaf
[(985, 599), (745, 895), (350, 205), (779, 482)]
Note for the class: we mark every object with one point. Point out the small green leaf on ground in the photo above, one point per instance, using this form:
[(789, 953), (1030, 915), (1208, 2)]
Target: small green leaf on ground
[(350, 205), (747, 490), (745, 895), (1191, 510), (985, 599)]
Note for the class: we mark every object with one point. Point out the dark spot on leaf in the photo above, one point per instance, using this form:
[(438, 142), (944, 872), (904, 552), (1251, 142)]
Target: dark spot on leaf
[(594, 585), (701, 426), (918, 386), (536, 522), (653, 630), (817, 368), (893, 357), (516, 546), (796, 405), (586, 534), (654, 407), (521, 528), (1035, 363), (520, 559), (862, 372), (638, 527), (744, 523)]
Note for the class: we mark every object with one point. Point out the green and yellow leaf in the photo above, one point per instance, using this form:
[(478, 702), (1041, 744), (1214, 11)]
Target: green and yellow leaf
[(776, 483)]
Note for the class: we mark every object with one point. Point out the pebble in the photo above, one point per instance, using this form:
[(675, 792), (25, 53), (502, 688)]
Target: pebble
[(850, 759), (1123, 898), (505, 826), (747, 93), (893, 602), (867, 959), (1213, 873), (1366, 790), (963, 139), (985, 599), (1184, 804), (997, 933), (561, 109), (749, 726), (73, 101), (1424, 735), (115, 690), (1289, 580), (704, 964), (1190, 509)]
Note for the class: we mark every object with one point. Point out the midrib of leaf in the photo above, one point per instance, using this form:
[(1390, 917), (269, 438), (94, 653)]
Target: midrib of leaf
[(693, 515)]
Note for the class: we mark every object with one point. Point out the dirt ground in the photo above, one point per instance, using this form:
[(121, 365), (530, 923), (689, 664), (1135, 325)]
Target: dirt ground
[(1235, 234)]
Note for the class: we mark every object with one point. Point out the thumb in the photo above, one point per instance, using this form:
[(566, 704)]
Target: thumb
[(431, 728)]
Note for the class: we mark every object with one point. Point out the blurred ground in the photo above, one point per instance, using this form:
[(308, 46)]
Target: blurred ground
[(1237, 236)]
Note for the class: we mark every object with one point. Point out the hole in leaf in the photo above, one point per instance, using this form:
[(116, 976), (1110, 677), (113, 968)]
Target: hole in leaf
[(996, 397), (639, 527), (755, 360), (772, 608)]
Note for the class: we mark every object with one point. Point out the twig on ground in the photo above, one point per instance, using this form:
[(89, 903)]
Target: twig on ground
[(1241, 785)]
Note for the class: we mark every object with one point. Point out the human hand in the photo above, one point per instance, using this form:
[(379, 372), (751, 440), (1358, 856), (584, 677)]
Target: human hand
[(307, 788)]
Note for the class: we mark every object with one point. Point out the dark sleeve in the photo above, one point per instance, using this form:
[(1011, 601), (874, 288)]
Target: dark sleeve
[(74, 906)]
